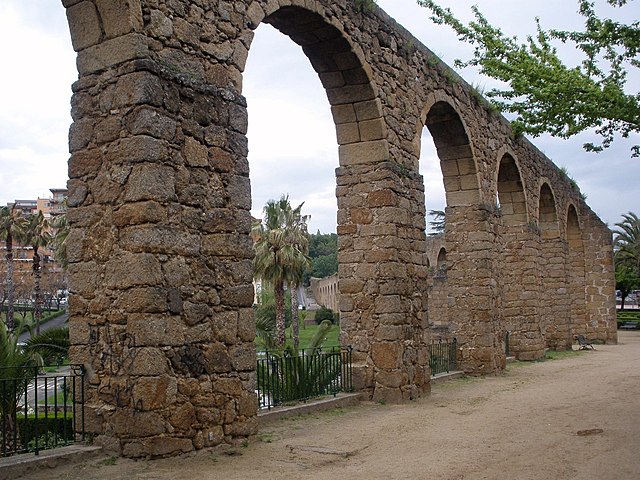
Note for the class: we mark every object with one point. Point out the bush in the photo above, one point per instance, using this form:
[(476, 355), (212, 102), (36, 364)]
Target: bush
[(51, 430), (325, 314)]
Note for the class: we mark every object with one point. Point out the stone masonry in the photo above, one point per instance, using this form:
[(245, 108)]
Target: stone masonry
[(160, 254)]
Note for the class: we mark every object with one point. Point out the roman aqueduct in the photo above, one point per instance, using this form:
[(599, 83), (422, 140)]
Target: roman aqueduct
[(159, 196)]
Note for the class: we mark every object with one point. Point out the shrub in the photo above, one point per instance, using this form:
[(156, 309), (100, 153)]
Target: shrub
[(325, 314)]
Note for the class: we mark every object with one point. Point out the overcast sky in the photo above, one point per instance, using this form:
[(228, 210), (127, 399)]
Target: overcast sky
[(292, 139)]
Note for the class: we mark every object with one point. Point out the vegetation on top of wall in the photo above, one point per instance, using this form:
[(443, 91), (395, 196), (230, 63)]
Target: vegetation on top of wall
[(365, 5)]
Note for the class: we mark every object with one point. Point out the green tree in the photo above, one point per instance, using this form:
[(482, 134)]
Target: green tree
[(11, 226), (626, 244), (281, 253), (36, 234), (547, 95), (627, 280), (323, 251)]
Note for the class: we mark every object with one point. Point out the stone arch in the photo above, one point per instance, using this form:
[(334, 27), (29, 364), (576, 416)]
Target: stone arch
[(576, 271), (511, 192), (345, 75), (520, 263), (457, 161), (373, 222), (442, 259), (547, 213), (554, 310), (452, 295)]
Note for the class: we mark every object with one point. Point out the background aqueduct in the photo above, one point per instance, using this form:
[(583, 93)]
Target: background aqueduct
[(159, 196)]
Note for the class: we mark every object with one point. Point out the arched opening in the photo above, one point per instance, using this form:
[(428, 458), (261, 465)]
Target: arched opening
[(520, 265), (548, 215), (442, 260), (366, 213), (456, 157), (554, 310), (576, 273), (511, 193)]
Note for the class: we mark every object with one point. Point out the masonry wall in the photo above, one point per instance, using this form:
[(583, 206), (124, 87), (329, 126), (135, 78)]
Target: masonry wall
[(160, 254)]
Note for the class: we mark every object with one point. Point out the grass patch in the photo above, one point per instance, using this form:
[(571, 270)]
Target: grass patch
[(561, 354), (306, 334), (109, 461)]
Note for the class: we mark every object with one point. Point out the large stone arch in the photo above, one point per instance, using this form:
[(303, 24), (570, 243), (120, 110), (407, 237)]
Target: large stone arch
[(554, 309), (472, 319), (576, 270), (520, 277), (160, 256)]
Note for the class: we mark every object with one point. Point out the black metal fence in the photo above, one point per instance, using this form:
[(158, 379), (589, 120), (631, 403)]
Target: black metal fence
[(40, 410), (284, 378), (442, 356)]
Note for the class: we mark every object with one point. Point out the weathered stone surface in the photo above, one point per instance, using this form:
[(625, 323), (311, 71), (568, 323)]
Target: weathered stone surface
[(160, 250)]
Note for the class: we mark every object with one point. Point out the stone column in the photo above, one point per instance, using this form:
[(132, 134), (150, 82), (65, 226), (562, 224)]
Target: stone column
[(555, 294), (600, 281), (521, 292), (382, 271), (159, 249), (471, 237)]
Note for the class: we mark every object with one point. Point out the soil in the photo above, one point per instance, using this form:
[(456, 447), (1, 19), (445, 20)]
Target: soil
[(569, 418)]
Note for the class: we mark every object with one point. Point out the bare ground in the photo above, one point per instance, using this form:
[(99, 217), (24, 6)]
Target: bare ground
[(571, 418)]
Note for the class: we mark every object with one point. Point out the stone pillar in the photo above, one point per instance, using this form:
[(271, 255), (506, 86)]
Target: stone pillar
[(471, 238), (382, 271), (521, 292), (159, 250), (600, 281), (576, 275), (555, 294)]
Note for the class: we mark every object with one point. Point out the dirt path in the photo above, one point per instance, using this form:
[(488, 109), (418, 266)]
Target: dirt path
[(561, 419)]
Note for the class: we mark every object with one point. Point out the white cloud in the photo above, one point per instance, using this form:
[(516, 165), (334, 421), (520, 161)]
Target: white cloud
[(291, 134)]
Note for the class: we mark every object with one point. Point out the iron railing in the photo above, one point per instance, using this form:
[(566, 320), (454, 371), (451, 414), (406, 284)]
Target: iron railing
[(286, 378), (442, 356), (40, 410)]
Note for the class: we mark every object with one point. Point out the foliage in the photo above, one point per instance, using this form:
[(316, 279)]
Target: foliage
[(323, 251), (626, 244), (547, 95), (324, 314), (438, 223), (58, 430), (18, 365), (265, 313), (59, 241), (36, 234), (11, 226), (281, 249), (291, 374), (365, 5)]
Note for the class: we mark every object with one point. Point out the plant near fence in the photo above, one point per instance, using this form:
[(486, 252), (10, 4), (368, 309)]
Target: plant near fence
[(19, 365), (291, 374)]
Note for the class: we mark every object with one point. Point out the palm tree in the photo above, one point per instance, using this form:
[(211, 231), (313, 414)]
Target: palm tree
[(626, 244), (18, 366), (59, 240), (11, 225), (627, 241), (296, 227), (36, 234), (277, 252)]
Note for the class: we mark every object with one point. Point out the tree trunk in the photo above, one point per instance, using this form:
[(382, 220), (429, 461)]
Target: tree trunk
[(280, 323), (37, 311), (293, 289), (10, 287)]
